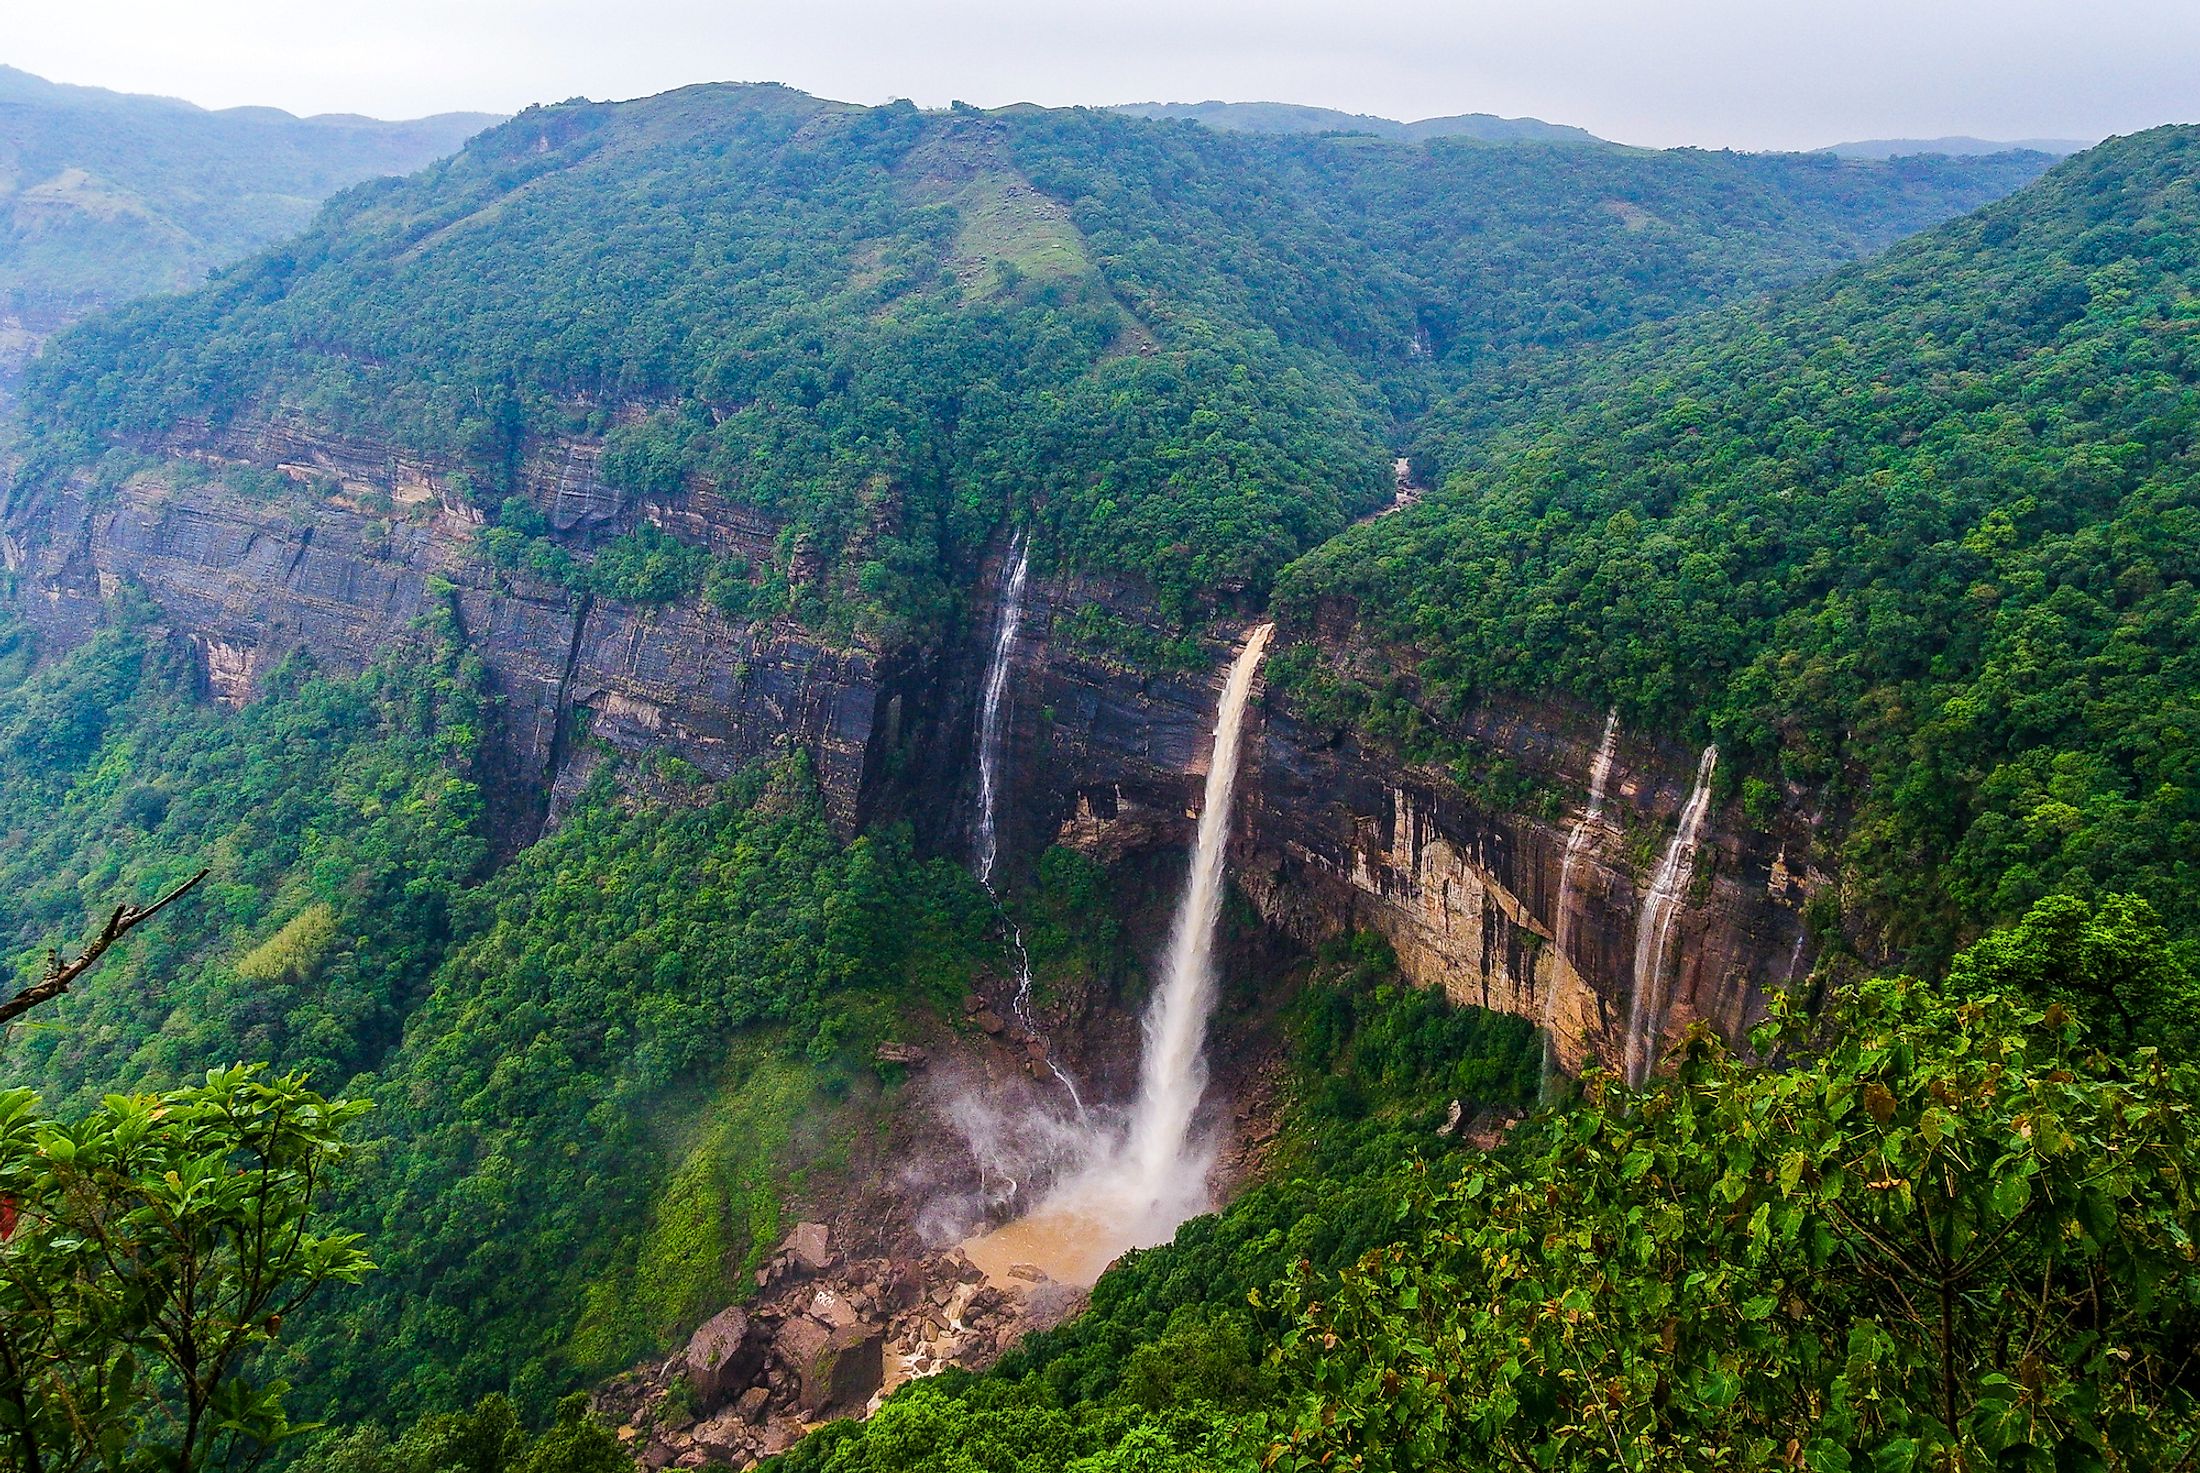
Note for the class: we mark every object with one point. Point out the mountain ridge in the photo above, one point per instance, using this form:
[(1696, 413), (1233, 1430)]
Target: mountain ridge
[(1292, 117)]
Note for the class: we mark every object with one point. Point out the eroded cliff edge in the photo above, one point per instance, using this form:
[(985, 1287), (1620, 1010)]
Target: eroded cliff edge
[(1105, 755)]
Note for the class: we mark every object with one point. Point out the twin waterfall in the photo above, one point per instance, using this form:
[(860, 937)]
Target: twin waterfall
[(1130, 1181), (1660, 910), (1137, 1180), (1654, 928)]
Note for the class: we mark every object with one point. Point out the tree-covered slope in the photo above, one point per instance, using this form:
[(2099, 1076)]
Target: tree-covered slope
[(1915, 544), (1292, 117), (106, 196), (1185, 352), (596, 1069)]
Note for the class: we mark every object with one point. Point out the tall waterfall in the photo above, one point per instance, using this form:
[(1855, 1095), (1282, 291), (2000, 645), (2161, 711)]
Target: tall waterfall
[(1661, 906), (1139, 1182), (989, 710), (1160, 1162), (1600, 773), (991, 742)]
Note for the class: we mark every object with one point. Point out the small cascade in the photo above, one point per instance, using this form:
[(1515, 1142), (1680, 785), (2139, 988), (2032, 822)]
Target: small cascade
[(1661, 906), (1577, 843), (992, 741), (1140, 1184)]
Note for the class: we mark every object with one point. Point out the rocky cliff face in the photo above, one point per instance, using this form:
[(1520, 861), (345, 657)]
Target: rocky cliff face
[(368, 542), (1332, 835)]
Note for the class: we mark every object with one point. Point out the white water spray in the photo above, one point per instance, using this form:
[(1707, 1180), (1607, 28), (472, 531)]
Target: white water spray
[(1661, 906), (1141, 1184), (1600, 773), (1160, 1162)]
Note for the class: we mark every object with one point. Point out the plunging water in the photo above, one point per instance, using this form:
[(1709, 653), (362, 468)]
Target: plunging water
[(1661, 906), (1600, 773), (991, 741), (989, 710), (1141, 1184)]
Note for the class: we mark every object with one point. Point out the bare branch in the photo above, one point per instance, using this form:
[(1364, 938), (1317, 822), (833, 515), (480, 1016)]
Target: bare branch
[(59, 973)]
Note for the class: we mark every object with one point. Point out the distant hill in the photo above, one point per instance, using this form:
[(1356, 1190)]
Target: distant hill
[(1959, 147), (1291, 117), (106, 196)]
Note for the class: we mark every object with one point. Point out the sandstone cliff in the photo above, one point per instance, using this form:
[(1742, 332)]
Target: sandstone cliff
[(1108, 758)]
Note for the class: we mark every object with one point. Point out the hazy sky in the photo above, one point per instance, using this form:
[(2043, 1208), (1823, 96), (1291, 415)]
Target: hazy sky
[(1742, 73)]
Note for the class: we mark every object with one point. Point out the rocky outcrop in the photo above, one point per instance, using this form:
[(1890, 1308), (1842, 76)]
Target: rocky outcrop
[(1334, 835), (1102, 755), (346, 564)]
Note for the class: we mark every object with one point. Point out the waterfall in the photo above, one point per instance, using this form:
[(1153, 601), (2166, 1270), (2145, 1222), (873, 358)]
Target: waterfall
[(1661, 906), (1160, 1163), (991, 742), (1600, 773), (989, 710), (1139, 1181)]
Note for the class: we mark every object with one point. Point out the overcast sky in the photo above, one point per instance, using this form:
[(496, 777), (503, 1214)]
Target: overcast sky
[(1739, 73)]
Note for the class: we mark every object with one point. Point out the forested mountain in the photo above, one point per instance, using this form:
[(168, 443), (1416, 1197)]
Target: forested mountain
[(1959, 146), (1182, 351), (1914, 544), (105, 196), (550, 597), (1288, 117)]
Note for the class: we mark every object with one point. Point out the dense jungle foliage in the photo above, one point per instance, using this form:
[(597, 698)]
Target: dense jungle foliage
[(1940, 1224), (595, 1070), (1914, 544), (1918, 542), (1181, 351)]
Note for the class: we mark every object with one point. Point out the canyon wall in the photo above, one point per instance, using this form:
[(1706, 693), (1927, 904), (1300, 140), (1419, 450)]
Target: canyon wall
[(1332, 835), (369, 543)]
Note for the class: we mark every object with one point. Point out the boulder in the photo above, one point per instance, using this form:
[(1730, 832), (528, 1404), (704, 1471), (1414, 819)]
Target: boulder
[(900, 1053), (723, 1357), (832, 1368), (989, 1020), (809, 1247), (831, 1308)]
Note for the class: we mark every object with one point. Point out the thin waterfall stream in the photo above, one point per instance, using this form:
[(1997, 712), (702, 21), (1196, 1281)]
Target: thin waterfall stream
[(1577, 842), (992, 740), (1140, 1183), (1661, 906)]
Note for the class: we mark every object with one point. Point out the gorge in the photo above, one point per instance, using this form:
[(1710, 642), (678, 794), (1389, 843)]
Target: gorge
[(991, 693)]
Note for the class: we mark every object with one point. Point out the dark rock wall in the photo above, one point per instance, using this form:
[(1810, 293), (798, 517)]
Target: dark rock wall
[(1331, 835)]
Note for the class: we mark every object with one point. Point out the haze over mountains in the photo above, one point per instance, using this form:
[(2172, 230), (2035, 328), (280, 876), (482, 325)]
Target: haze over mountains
[(106, 196), (1290, 117), (1956, 147)]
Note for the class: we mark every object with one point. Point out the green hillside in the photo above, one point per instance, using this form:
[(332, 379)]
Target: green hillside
[(1915, 544), (1914, 541), (1184, 352), (105, 196)]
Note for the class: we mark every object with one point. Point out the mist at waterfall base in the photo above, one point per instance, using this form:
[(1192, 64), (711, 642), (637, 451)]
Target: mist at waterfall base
[(1123, 1179)]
